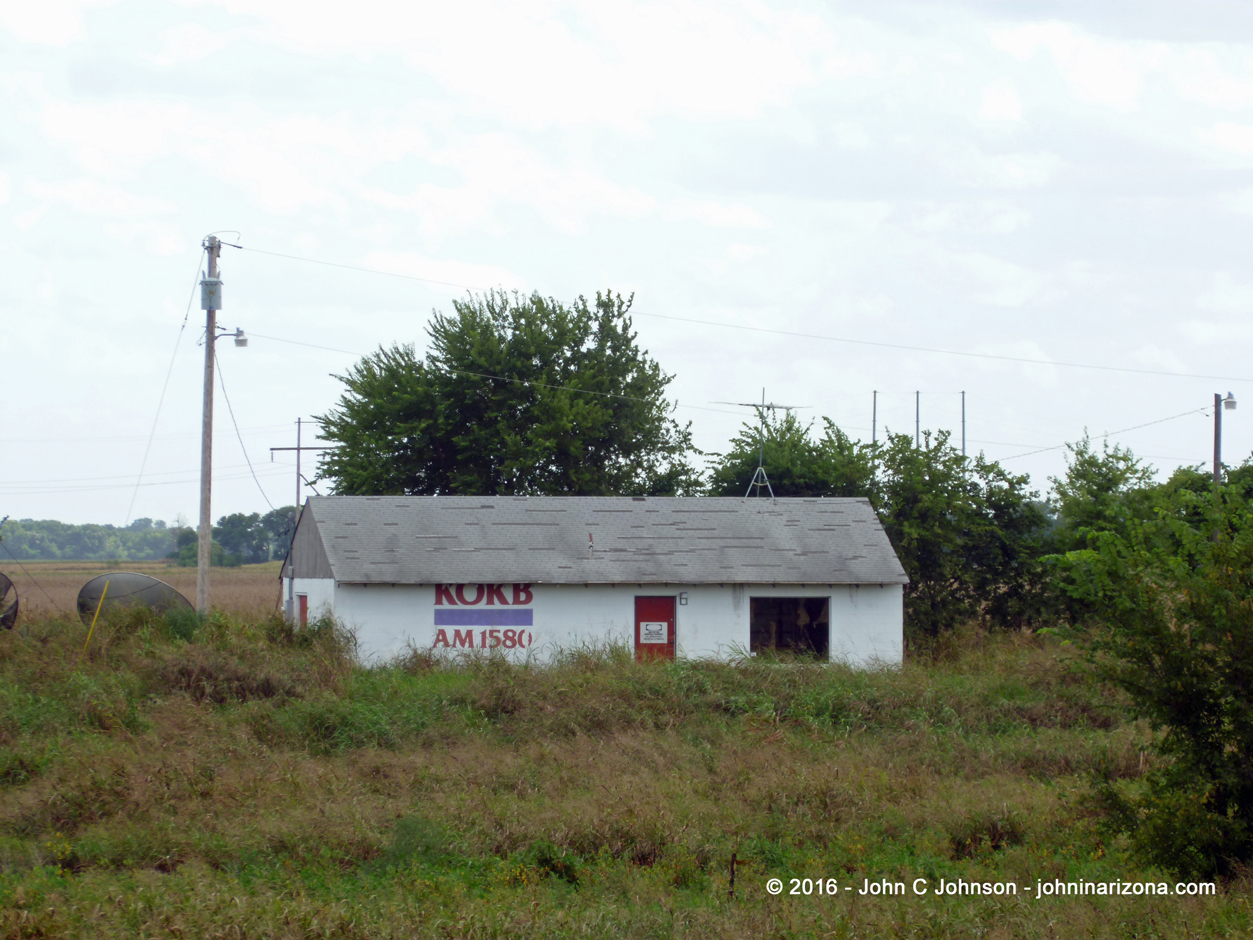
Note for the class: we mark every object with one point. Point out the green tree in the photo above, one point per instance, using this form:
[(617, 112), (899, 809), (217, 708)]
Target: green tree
[(967, 532), (189, 556), (48, 539), (1174, 630), (278, 525), (515, 395), (796, 464), (242, 537), (1100, 492)]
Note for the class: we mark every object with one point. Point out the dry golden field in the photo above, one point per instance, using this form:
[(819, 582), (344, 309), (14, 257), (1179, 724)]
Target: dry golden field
[(47, 588)]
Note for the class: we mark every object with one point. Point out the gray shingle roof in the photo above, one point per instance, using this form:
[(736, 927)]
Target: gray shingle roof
[(545, 539)]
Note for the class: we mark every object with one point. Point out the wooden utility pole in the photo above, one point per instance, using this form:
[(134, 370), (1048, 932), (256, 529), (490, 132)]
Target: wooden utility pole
[(296, 515), (210, 300), (963, 424), (299, 448)]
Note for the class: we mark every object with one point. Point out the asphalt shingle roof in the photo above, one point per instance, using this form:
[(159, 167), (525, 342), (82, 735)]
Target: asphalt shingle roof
[(602, 540)]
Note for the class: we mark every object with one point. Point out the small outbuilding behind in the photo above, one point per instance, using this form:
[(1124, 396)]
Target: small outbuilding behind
[(527, 576)]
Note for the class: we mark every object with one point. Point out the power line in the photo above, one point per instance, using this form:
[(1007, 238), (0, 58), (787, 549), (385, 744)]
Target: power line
[(946, 352), (251, 429), (238, 436), (40, 490), (354, 267), (114, 476), (1136, 427), (165, 385), (799, 335)]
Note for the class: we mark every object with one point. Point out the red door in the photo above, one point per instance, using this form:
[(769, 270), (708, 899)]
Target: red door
[(303, 600), (654, 628)]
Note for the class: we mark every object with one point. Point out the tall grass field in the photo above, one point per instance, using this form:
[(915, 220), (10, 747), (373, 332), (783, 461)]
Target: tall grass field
[(238, 778)]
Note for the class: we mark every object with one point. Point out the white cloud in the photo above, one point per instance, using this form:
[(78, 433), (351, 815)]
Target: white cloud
[(1227, 295), (93, 197), (1152, 356), (1040, 372), (1098, 71), (160, 238), (48, 22), (1202, 75), (190, 42), (1209, 333), (1020, 170), (499, 169), (992, 217), (714, 214), (554, 63), (26, 220), (456, 276), (1231, 136), (1000, 102), (1000, 283), (1240, 202), (740, 253)]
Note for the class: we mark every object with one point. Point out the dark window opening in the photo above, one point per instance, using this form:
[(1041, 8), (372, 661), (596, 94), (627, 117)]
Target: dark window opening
[(790, 625)]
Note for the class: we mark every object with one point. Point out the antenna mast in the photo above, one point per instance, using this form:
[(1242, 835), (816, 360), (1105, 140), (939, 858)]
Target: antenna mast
[(759, 475), (761, 454)]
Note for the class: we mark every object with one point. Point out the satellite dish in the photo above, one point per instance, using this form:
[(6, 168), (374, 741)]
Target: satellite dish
[(8, 603), (128, 589)]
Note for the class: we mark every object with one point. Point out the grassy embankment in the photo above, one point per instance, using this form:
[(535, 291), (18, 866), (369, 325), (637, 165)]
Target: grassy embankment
[(244, 781)]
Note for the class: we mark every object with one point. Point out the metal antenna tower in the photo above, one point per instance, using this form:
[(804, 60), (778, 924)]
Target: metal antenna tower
[(759, 475)]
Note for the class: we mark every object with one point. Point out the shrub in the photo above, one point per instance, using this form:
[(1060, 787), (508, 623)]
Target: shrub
[(210, 676), (1178, 639)]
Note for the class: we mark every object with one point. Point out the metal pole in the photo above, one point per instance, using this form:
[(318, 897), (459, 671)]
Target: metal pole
[(203, 558), (963, 424), (917, 419), (874, 419), (761, 433), (1218, 441), (291, 554)]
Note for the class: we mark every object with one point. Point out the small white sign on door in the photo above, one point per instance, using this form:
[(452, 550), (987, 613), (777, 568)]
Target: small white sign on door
[(654, 632)]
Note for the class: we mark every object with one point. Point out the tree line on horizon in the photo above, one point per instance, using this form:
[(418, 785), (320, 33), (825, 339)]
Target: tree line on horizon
[(238, 539)]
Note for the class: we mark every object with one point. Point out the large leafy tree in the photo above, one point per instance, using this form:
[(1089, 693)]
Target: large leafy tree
[(515, 395)]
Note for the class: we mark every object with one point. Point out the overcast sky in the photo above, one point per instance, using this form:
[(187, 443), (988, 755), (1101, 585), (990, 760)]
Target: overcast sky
[(1066, 183)]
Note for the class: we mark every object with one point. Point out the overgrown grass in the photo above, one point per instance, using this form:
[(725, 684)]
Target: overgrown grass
[(241, 778)]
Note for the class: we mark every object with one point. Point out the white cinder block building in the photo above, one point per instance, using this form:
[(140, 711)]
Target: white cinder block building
[(693, 577)]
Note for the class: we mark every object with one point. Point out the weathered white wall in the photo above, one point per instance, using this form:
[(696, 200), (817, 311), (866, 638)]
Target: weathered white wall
[(866, 624), (321, 593)]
